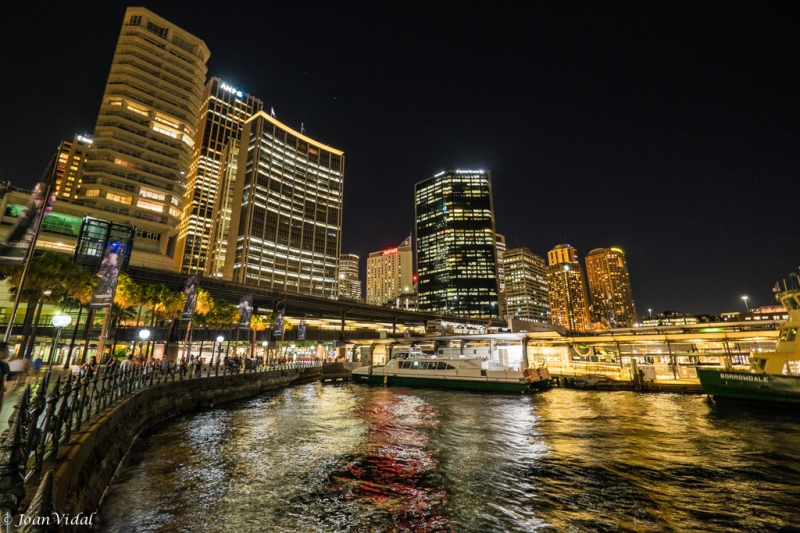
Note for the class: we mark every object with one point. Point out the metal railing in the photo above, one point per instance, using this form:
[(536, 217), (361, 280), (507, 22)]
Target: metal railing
[(44, 421)]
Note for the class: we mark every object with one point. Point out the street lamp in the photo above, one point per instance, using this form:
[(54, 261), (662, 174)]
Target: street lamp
[(220, 340), (745, 303), (650, 313), (59, 322), (144, 334)]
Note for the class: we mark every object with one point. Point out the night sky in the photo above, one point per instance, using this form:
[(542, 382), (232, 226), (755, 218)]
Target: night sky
[(671, 132)]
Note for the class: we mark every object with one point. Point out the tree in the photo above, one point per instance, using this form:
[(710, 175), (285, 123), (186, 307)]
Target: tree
[(259, 323)]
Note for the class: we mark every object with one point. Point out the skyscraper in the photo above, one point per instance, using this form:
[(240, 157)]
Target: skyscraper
[(349, 284), (145, 131), (221, 217), (69, 168), (610, 287), (500, 248), (566, 290), (223, 114), (456, 255), (526, 285), (390, 274), (287, 211)]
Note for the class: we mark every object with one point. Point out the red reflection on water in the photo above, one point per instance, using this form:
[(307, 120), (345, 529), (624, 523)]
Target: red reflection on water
[(390, 473)]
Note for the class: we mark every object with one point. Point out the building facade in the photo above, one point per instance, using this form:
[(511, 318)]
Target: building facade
[(456, 252), (69, 167), (500, 248), (349, 284), (569, 306), (526, 285), (390, 274), (287, 211), (136, 170), (223, 114), (610, 287)]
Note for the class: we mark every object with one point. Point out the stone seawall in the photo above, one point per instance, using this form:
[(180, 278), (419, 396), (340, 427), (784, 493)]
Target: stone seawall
[(87, 465)]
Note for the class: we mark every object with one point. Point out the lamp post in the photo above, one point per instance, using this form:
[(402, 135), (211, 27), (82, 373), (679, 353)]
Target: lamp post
[(59, 322), (144, 334), (220, 340), (745, 303), (650, 313)]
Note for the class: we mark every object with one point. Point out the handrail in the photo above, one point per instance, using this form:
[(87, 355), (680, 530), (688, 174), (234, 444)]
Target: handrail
[(41, 423)]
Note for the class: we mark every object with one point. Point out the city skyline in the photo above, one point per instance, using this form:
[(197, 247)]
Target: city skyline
[(716, 171)]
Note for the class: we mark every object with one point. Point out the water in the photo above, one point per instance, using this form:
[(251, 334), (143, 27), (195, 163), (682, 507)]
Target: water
[(357, 458)]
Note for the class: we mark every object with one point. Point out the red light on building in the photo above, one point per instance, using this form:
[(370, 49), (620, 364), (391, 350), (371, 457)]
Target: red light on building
[(390, 251)]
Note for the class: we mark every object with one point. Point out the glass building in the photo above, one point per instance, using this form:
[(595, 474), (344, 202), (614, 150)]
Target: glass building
[(287, 211), (222, 116), (526, 285), (456, 255), (349, 284), (610, 287)]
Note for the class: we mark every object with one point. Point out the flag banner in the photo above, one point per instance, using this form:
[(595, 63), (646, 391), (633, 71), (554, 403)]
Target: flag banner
[(190, 287), (113, 258), (277, 326), (245, 310), (301, 330), (15, 249)]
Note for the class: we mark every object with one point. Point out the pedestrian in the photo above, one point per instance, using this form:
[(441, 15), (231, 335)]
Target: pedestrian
[(128, 364), (91, 367), (111, 364), (5, 370)]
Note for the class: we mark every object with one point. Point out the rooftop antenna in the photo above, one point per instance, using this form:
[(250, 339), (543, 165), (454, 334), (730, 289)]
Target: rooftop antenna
[(272, 112), (302, 129)]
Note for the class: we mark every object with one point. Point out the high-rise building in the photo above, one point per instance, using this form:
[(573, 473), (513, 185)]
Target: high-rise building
[(221, 217), (566, 291), (390, 274), (69, 168), (526, 285), (610, 287), (349, 284), (500, 248), (222, 116), (287, 211), (137, 167), (456, 254)]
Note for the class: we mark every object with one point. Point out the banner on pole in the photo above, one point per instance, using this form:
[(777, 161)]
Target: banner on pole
[(277, 326), (20, 239), (113, 258), (245, 310), (190, 290), (301, 330)]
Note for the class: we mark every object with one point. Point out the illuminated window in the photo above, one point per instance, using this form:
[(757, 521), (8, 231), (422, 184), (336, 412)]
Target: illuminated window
[(151, 206), (118, 198), (92, 193), (147, 193)]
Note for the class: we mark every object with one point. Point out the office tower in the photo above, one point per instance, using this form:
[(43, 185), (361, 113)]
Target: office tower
[(610, 287), (390, 274), (500, 247), (222, 116), (526, 285), (221, 217), (567, 293), (69, 168), (287, 211), (349, 284), (136, 170), (456, 256)]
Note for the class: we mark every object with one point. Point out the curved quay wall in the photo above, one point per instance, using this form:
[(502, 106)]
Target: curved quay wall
[(87, 464)]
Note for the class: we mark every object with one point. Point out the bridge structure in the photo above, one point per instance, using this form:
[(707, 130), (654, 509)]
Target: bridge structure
[(327, 319)]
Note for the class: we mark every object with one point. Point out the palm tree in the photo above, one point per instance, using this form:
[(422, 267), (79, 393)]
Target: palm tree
[(52, 277), (259, 323), (81, 297)]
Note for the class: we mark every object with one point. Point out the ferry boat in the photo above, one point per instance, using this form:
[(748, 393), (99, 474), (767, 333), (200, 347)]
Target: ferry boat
[(772, 376), (456, 373)]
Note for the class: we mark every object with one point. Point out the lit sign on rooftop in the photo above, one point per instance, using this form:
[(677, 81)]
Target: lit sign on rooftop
[(226, 87), (83, 139), (390, 251)]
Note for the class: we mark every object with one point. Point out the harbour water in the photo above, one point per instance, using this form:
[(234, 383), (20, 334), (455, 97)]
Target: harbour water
[(350, 457)]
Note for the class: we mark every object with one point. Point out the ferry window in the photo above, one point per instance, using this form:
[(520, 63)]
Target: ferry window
[(423, 365), (792, 335), (415, 365), (405, 364)]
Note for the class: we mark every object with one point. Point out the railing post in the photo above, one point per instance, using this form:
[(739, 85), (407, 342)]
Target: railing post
[(12, 482), (48, 426), (42, 507)]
